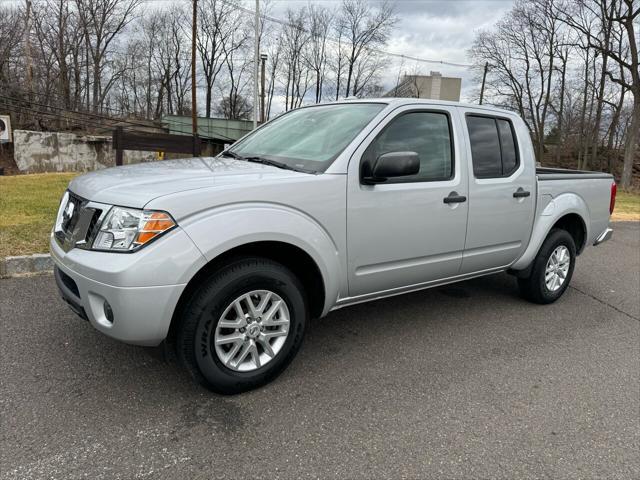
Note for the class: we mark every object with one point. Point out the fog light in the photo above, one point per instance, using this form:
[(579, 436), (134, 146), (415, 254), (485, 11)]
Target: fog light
[(108, 313)]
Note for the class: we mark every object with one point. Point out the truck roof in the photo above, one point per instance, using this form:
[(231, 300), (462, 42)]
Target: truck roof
[(412, 101)]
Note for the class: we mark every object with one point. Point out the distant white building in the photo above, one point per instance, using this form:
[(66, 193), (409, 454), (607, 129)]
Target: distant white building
[(433, 86)]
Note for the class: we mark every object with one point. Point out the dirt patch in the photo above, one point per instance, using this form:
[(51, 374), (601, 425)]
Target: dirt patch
[(625, 217)]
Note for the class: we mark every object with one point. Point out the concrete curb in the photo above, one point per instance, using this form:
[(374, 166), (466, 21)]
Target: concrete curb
[(25, 265)]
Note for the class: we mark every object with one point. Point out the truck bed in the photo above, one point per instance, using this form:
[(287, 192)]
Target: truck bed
[(588, 192), (545, 173)]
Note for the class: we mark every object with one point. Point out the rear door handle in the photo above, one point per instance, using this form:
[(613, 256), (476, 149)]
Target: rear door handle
[(454, 198), (521, 193)]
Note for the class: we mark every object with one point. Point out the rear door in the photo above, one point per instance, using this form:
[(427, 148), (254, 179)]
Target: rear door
[(501, 190), (402, 233)]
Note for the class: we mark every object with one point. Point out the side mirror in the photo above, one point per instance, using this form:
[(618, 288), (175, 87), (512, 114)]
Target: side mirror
[(392, 164)]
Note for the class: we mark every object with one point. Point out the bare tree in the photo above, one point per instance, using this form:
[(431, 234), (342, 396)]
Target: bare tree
[(218, 20), (295, 39), (366, 29), (238, 108), (317, 50), (11, 30), (366, 72), (274, 57), (618, 20), (60, 40), (522, 51), (339, 56), (102, 21), (238, 72)]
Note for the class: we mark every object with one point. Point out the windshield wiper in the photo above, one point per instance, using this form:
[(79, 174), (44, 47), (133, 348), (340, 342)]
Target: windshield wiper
[(273, 163), (265, 161)]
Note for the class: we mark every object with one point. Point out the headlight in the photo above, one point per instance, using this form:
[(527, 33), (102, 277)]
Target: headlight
[(128, 229)]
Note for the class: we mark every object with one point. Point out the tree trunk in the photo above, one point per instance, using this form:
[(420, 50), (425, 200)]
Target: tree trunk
[(599, 104), (563, 79), (583, 112), (96, 85), (615, 122), (208, 100), (631, 144), (350, 73)]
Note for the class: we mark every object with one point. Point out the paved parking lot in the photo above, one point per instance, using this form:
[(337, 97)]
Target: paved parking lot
[(465, 381)]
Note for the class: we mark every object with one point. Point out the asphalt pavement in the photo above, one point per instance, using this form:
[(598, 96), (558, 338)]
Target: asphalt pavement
[(461, 382)]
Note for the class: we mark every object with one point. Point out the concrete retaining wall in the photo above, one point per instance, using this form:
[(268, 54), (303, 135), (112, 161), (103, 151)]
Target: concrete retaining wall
[(38, 152)]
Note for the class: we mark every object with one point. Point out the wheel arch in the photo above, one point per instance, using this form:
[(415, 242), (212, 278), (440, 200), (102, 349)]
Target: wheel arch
[(574, 224), (568, 212), (291, 256)]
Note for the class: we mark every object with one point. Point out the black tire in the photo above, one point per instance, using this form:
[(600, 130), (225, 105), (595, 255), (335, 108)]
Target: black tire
[(534, 287), (203, 312)]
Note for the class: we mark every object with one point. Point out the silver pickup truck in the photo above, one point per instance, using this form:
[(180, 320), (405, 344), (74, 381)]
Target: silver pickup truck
[(227, 258)]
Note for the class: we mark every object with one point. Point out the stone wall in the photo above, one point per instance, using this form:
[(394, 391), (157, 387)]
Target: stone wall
[(38, 152)]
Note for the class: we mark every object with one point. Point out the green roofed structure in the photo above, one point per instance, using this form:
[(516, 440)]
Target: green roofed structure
[(221, 129)]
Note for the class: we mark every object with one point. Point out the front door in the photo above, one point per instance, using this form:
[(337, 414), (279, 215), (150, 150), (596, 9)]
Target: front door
[(401, 233), (501, 191)]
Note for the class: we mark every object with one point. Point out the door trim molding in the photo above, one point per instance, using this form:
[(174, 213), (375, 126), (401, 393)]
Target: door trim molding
[(347, 301)]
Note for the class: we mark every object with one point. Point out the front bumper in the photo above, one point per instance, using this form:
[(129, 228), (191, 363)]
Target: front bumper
[(603, 237), (140, 314)]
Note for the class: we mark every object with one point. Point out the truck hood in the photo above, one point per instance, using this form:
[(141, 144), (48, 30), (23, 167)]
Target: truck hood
[(136, 185)]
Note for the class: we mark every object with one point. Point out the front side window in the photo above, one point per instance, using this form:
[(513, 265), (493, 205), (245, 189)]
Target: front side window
[(310, 138), (426, 133), (493, 147)]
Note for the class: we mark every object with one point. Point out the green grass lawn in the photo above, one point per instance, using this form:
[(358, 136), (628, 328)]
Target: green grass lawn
[(627, 206), (28, 206)]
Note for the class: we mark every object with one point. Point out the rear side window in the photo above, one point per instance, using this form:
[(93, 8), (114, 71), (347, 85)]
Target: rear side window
[(493, 147), (508, 146)]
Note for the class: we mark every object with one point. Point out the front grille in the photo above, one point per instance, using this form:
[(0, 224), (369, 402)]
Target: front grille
[(74, 205), (93, 226), (79, 223)]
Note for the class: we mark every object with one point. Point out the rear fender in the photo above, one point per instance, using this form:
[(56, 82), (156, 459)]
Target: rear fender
[(557, 208)]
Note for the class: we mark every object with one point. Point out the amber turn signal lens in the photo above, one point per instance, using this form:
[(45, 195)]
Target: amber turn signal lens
[(153, 225)]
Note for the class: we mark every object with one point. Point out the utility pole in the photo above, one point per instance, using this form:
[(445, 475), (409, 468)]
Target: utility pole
[(256, 55), (194, 110), (263, 57), (484, 78)]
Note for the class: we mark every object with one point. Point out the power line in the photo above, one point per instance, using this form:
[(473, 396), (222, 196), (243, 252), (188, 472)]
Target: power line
[(86, 114), (121, 112), (371, 49), (298, 27), (90, 118), (58, 116)]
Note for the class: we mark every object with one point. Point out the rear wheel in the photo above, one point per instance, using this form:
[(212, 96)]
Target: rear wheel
[(552, 269), (243, 326)]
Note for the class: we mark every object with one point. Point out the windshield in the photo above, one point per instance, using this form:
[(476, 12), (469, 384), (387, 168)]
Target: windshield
[(308, 139)]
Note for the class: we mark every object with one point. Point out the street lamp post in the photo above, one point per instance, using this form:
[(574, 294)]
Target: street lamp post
[(255, 65)]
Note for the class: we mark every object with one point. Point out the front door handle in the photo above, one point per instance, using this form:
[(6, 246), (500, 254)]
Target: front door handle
[(454, 198), (521, 193)]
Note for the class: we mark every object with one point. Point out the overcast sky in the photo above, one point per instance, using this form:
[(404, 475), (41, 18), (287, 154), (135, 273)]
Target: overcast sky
[(430, 29)]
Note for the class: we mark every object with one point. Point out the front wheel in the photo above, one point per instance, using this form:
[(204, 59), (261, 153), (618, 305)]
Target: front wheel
[(243, 326), (552, 269)]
